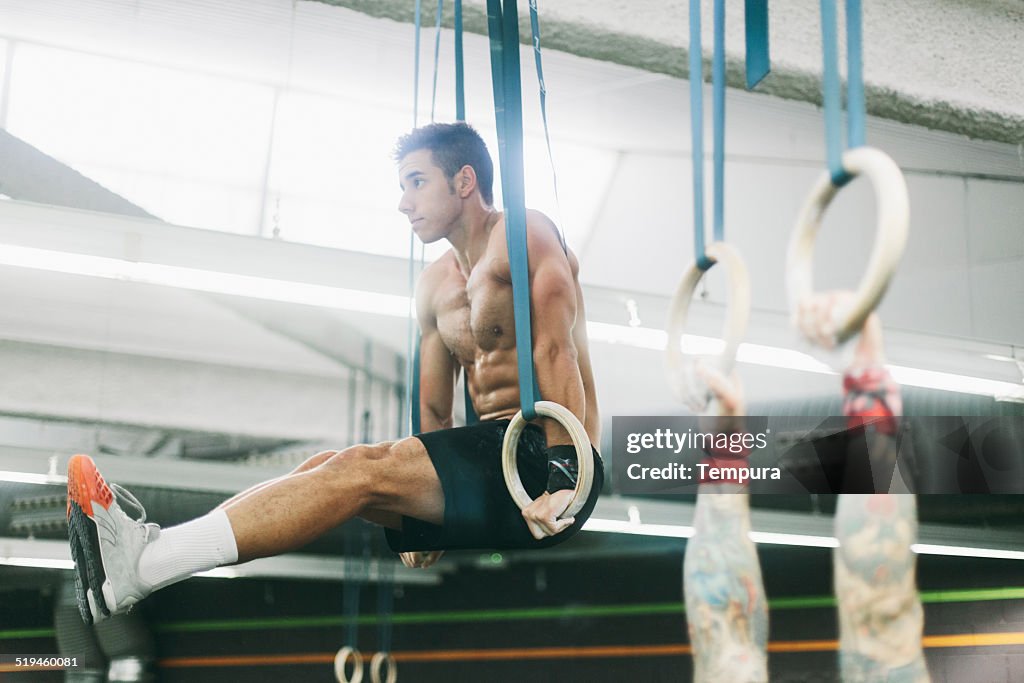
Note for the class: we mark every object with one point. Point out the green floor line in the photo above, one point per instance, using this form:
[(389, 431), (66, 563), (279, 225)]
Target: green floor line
[(528, 613), (972, 595), (27, 633)]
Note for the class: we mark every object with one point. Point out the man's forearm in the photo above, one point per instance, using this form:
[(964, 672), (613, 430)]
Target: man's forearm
[(559, 381)]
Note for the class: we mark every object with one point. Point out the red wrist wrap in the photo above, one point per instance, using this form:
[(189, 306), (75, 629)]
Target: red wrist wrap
[(872, 398)]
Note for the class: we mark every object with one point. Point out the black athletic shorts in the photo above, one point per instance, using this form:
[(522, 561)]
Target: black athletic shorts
[(479, 512)]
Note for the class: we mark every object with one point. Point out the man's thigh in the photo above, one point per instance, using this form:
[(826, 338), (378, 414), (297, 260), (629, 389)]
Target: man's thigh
[(407, 485)]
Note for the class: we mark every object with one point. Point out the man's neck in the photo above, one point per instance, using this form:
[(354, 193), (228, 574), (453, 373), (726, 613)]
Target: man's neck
[(469, 240)]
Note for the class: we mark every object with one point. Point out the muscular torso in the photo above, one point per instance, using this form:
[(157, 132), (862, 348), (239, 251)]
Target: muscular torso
[(475, 320)]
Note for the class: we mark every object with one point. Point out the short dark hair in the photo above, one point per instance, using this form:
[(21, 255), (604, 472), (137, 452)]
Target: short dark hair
[(452, 146)]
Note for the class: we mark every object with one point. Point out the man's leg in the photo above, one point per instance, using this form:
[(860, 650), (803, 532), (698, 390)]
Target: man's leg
[(725, 602), (880, 616), (122, 561)]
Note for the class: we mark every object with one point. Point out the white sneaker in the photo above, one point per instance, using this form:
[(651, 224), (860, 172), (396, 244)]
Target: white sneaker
[(106, 544)]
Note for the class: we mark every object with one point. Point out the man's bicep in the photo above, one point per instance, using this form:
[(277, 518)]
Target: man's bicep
[(553, 299)]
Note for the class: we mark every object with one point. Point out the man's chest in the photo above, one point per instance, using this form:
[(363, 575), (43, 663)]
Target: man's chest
[(475, 313)]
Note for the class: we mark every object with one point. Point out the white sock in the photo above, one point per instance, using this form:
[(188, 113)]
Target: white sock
[(181, 551)]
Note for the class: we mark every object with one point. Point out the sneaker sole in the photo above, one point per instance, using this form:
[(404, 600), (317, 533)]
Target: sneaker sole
[(86, 486)]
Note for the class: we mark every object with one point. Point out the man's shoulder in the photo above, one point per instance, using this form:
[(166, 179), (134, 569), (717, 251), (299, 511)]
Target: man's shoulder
[(436, 273), (439, 268)]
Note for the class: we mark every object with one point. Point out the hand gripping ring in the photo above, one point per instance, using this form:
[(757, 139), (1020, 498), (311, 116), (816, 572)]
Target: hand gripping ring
[(340, 659), (580, 440), (890, 238), (680, 371), (378, 662)]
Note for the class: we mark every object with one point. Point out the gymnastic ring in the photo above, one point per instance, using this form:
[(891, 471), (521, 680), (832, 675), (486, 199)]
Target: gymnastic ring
[(357, 665), (584, 456), (890, 238), (733, 329), (377, 663)]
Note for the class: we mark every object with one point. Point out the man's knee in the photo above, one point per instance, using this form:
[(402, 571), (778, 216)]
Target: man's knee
[(314, 461), (369, 464)]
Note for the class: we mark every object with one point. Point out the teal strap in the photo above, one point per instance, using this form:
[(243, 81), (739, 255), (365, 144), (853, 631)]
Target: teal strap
[(718, 112), (855, 108), (351, 591), (385, 604), (697, 128), (503, 29), (437, 58), (758, 65), (414, 406), (471, 417), (832, 93), (416, 67), (832, 86), (697, 134), (755, 16), (412, 353), (535, 30), (460, 71)]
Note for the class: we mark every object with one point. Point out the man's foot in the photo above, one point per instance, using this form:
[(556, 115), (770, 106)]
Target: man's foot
[(105, 543)]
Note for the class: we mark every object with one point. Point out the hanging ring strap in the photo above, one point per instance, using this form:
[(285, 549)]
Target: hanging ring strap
[(341, 659), (680, 371), (832, 86), (383, 661), (893, 219), (460, 71), (503, 29), (584, 456), (437, 58), (543, 91)]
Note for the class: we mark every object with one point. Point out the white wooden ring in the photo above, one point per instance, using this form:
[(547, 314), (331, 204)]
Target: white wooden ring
[(892, 225), (584, 456), (340, 659), (680, 371), (377, 663)]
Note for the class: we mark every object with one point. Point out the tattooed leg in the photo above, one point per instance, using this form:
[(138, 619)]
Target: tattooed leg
[(880, 616), (725, 603)]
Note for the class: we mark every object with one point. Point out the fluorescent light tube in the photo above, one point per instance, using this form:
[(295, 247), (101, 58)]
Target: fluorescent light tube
[(964, 551), (29, 478), (37, 562), (363, 301), (206, 281)]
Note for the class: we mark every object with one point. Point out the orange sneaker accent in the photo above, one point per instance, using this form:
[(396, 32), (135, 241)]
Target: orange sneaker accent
[(85, 485)]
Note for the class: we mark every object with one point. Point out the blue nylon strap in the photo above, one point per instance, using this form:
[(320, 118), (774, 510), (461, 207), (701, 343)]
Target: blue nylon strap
[(416, 66), (503, 25), (535, 30), (385, 604), (697, 134), (471, 417), (718, 96), (412, 353), (460, 71), (832, 94), (755, 16), (855, 107), (350, 594), (437, 58), (414, 405), (494, 32)]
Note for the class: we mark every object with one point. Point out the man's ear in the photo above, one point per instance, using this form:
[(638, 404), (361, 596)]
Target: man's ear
[(465, 181)]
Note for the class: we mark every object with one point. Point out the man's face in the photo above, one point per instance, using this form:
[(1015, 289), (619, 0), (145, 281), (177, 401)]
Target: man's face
[(427, 197)]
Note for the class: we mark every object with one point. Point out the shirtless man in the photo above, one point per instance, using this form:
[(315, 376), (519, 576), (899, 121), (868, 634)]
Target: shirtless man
[(881, 620), (442, 489)]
